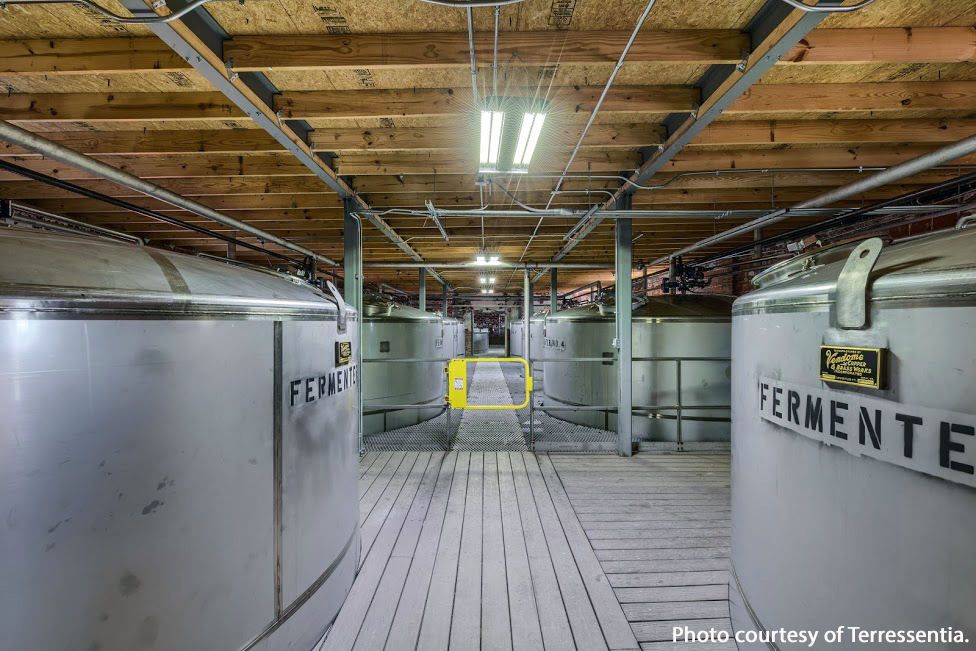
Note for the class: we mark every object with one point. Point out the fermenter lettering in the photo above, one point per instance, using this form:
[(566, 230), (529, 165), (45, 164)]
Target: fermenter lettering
[(294, 385), (837, 419), (777, 401), (814, 414), (793, 406), (909, 422), (947, 446), (872, 429)]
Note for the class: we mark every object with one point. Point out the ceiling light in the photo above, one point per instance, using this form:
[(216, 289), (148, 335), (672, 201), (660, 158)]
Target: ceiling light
[(493, 259), (491, 291), (528, 138), (484, 291), (503, 149), (492, 280), (480, 260), (491, 138), (483, 280)]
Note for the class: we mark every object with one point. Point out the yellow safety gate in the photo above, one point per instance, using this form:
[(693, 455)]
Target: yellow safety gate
[(457, 384)]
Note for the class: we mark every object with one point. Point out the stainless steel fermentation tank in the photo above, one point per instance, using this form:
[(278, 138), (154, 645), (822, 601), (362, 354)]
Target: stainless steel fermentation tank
[(398, 332), (516, 336), (454, 335), (669, 326), (479, 341), (852, 505), (178, 450)]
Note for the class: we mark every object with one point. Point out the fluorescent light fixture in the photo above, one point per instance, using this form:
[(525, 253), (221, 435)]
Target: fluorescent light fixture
[(528, 138), (480, 260), (493, 259), (491, 291), (483, 280), (484, 291), (491, 139), (492, 280)]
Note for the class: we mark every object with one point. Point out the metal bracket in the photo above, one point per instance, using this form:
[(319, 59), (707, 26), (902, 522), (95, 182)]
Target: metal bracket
[(341, 322), (744, 63), (229, 67), (850, 299)]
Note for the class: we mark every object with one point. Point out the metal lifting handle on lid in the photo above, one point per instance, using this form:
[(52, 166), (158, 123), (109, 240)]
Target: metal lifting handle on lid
[(852, 285), (457, 382), (341, 321)]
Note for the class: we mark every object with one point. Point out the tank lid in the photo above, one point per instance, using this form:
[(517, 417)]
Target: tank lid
[(383, 310), (48, 272), (689, 307), (938, 267)]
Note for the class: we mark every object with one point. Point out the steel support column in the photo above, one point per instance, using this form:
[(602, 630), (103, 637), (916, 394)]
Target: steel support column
[(352, 262), (422, 290), (553, 291), (625, 398), (444, 300)]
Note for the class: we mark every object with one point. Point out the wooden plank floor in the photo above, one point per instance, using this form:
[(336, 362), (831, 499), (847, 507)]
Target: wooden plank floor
[(660, 526), (509, 550)]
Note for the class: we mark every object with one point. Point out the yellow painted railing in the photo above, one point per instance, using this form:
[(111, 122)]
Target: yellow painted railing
[(457, 382)]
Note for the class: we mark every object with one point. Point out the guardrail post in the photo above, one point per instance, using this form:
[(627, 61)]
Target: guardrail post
[(526, 350)]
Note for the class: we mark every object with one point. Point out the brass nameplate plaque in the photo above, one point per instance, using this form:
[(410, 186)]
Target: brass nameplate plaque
[(863, 367)]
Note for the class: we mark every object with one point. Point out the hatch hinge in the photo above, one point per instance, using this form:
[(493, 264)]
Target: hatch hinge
[(851, 295)]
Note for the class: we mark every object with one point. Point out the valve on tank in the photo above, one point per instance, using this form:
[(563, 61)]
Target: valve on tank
[(684, 278)]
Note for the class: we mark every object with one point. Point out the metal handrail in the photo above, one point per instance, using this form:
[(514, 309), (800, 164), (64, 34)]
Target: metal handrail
[(678, 408)]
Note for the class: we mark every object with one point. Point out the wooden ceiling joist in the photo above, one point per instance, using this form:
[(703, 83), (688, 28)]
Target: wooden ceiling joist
[(438, 49), (762, 98)]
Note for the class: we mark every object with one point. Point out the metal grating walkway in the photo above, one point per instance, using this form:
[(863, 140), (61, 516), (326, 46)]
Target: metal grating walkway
[(489, 430)]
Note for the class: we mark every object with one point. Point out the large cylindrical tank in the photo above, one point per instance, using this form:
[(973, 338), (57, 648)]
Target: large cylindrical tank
[(694, 325), (390, 332), (454, 337), (855, 505), (178, 450), (517, 334), (479, 341)]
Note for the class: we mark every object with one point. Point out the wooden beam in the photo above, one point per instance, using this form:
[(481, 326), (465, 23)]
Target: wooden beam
[(394, 103), (778, 132), (461, 136), (430, 50), (764, 98), (222, 203), (157, 142), (438, 49), (117, 107), (189, 187), (611, 160), (172, 166), (885, 45), (888, 96), (88, 56)]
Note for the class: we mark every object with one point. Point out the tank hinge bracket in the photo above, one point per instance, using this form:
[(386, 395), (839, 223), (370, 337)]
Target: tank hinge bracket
[(851, 295), (341, 321)]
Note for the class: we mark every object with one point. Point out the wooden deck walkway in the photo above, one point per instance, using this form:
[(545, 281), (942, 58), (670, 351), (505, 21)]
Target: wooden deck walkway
[(509, 550)]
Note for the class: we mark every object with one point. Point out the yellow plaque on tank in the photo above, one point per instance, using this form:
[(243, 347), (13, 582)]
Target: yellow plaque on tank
[(862, 367)]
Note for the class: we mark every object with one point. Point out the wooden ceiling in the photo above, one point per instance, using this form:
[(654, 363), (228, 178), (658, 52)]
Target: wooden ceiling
[(386, 86)]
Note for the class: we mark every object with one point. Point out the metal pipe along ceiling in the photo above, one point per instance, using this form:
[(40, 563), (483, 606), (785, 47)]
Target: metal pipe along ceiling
[(35, 143), (927, 161)]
